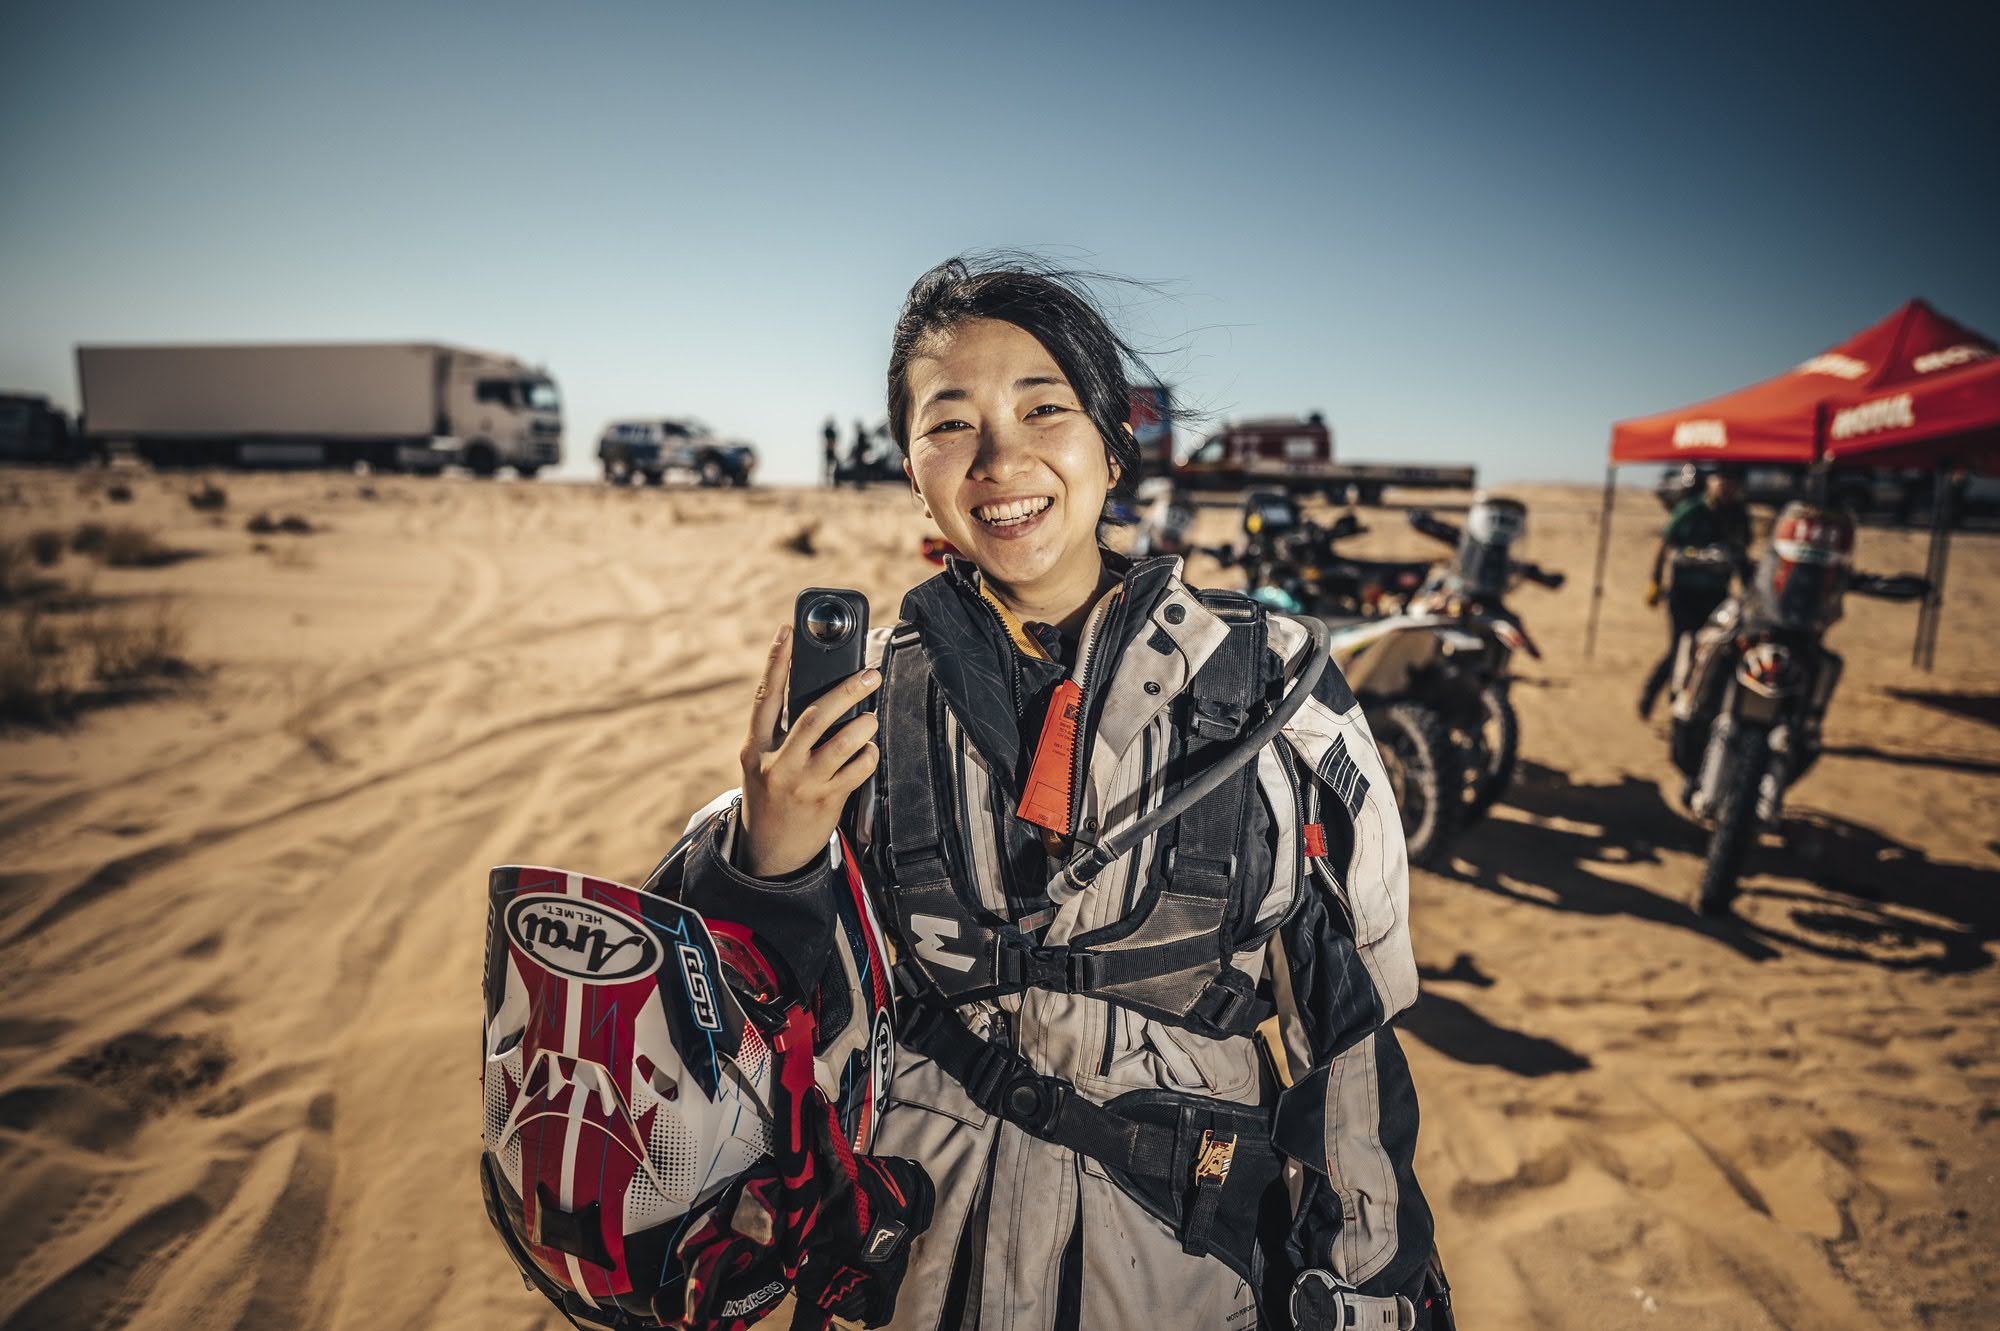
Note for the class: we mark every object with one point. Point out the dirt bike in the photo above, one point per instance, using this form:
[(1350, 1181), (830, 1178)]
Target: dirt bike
[(1747, 715), (1406, 671), (1409, 673), (1470, 590)]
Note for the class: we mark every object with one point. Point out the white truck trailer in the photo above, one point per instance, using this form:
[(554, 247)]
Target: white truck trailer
[(394, 405)]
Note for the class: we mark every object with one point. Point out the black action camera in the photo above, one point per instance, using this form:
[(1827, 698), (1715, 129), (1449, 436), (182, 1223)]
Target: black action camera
[(829, 634)]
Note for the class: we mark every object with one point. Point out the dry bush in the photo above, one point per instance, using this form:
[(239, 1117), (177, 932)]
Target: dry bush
[(31, 690), (127, 546), (118, 493), (46, 544), (801, 541), (148, 646), (13, 569), (34, 686), (261, 524), (209, 499), (88, 538)]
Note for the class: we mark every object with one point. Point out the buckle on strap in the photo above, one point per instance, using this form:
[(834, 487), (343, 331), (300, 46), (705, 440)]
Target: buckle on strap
[(1213, 1159), (1213, 719), (1322, 1301), (1226, 1008), (1061, 969)]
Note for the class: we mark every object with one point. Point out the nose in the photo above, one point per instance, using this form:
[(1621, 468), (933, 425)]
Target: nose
[(1005, 452)]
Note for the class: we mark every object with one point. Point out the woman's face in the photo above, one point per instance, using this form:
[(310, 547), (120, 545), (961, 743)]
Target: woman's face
[(1012, 470)]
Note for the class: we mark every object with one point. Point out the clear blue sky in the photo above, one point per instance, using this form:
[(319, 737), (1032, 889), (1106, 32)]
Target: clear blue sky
[(1465, 232)]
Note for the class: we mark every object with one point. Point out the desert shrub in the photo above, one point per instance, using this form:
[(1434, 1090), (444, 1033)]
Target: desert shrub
[(32, 678), (122, 650), (122, 545), (89, 537), (801, 541), (210, 498), (46, 544), (263, 524), (118, 493), (13, 569)]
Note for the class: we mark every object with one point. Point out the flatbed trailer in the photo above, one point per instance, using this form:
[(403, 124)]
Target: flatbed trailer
[(1276, 453)]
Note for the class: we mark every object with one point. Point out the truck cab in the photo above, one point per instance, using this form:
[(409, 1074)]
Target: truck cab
[(31, 430), (503, 414)]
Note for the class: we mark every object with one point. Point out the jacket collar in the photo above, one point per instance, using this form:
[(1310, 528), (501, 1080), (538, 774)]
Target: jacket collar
[(970, 643)]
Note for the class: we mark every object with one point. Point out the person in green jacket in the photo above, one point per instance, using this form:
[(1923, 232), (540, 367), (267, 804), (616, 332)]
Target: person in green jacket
[(1705, 545)]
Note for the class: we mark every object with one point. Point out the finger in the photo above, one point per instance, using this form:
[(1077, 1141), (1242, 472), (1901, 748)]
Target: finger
[(841, 745), (856, 769), (816, 720), (769, 708)]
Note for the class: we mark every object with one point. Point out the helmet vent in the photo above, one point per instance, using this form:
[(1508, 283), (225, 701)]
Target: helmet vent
[(671, 1148)]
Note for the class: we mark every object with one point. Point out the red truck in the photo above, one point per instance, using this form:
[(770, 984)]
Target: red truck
[(1274, 453)]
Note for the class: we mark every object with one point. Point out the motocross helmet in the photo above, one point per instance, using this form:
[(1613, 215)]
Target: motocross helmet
[(1492, 526), (629, 1079), (1801, 578)]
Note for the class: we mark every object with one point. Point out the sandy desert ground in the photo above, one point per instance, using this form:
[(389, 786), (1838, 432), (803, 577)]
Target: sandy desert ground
[(241, 916)]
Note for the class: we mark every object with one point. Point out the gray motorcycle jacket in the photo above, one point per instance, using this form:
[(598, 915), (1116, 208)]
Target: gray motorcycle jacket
[(1030, 1234)]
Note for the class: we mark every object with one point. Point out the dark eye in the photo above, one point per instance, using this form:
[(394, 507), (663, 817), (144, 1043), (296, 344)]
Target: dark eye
[(1048, 406), (942, 426)]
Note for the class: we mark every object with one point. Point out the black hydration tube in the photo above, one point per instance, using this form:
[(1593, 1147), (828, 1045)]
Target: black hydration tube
[(1093, 859)]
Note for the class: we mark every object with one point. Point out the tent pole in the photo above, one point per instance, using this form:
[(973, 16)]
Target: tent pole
[(1597, 579), (1924, 655)]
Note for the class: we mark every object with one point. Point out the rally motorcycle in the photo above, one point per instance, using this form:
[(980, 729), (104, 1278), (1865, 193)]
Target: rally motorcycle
[(1297, 565), (1394, 664), (1470, 590), (1746, 718)]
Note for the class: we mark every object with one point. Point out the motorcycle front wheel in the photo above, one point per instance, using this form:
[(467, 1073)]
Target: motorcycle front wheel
[(1417, 753), (1735, 820), (1498, 751)]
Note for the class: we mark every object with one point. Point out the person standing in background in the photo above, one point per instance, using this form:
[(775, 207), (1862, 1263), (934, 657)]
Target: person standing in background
[(1709, 518), (831, 437)]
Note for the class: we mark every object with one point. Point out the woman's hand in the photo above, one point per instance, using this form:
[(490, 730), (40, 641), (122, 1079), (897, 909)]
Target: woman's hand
[(792, 792)]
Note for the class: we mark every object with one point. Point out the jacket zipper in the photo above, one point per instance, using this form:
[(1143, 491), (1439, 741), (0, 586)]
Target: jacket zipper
[(1084, 652)]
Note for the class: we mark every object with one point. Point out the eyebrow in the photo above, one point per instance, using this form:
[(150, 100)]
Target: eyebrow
[(961, 395)]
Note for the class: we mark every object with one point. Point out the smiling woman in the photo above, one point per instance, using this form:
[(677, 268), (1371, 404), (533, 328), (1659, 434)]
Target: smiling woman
[(1113, 825)]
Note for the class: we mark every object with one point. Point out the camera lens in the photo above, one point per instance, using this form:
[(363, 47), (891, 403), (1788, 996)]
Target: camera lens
[(829, 621)]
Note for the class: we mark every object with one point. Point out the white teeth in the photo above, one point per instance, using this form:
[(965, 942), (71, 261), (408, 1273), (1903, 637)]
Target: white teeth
[(1012, 512)]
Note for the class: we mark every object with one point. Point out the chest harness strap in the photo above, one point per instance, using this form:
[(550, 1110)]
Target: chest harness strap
[(1175, 962)]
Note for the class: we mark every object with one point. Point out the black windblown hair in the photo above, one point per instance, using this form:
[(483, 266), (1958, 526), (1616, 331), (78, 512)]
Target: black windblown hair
[(1052, 305)]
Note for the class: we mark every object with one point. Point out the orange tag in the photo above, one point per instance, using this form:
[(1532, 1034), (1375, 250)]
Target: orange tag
[(1045, 802), (1315, 840)]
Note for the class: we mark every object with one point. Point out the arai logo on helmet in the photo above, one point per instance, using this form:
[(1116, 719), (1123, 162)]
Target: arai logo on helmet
[(581, 940)]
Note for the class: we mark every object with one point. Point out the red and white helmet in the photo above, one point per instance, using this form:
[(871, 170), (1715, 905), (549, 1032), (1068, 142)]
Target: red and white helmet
[(628, 1079)]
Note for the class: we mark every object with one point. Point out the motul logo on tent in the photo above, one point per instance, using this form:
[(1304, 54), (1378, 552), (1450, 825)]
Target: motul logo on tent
[(1885, 413), (1835, 364), (1701, 434), (1933, 361)]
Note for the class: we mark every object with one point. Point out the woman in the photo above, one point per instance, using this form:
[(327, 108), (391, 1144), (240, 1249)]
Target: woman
[(1078, 1067)]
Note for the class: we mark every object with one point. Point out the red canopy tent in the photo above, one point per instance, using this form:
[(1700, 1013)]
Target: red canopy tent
[(1915, 390)]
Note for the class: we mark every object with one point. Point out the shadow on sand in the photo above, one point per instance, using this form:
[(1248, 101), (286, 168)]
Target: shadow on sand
[(1844, 891), (1458, 1032)]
